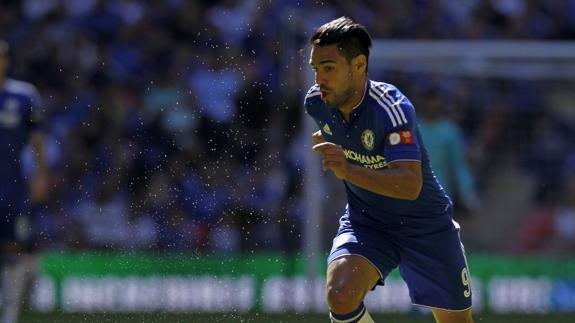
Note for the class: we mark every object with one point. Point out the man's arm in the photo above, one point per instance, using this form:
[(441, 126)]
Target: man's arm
[(402, 180), (39, 182)]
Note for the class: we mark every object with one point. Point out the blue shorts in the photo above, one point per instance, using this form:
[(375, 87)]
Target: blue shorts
[(432, 265)]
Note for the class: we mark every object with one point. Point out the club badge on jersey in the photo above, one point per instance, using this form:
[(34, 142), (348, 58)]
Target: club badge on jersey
[(367, 139)]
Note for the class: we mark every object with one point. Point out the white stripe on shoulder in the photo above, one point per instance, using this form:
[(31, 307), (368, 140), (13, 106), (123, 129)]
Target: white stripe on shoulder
[(312, 94), (313, 88), (313, 91), (383, 94), (384, 105), (395, 106)]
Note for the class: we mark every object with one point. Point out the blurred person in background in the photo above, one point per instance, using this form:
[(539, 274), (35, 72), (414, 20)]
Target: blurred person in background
[(397, 215), (20, 116), (444, 142), (550, 227)]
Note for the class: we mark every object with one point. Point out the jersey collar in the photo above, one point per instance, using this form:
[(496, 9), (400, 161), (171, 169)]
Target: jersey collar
[(356, 111)]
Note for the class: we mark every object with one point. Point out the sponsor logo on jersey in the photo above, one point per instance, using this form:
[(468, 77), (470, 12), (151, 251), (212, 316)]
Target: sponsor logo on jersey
[(327, 129), (401, 137), (367, 139), (367, 161)]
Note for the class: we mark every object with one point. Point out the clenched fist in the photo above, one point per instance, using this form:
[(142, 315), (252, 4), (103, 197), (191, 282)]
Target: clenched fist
[(317, 137), (333, 158)]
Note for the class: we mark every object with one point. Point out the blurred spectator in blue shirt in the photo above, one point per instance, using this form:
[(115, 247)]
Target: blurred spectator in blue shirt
[(446, 150)]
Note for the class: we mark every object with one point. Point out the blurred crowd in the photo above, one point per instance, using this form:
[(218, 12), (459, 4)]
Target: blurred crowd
[(176, 125)]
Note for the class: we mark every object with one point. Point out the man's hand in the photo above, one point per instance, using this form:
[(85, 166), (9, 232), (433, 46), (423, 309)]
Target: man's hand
[(333, 158), (317, 137)]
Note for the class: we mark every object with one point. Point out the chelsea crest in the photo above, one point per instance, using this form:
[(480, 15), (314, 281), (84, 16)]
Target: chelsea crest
[(367, 139)]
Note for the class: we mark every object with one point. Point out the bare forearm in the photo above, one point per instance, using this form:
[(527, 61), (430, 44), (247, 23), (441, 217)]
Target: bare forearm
[(402, 179), (397, 183), (39, 183)]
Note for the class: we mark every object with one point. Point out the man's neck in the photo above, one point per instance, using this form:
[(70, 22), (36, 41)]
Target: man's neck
[(355, 100)]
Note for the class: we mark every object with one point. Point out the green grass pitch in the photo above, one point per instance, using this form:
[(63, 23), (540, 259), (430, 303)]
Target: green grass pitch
[(57, 317)]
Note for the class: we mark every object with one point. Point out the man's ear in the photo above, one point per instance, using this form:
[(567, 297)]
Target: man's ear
[(359, 63)]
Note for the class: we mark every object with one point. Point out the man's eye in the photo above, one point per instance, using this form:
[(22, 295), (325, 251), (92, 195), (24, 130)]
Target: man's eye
[(328, 68)]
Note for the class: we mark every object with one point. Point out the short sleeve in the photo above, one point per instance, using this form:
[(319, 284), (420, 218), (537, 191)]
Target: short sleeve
[(399, 126), (313, 104)]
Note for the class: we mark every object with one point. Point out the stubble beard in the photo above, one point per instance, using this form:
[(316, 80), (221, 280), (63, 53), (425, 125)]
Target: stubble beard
[(340, 99)]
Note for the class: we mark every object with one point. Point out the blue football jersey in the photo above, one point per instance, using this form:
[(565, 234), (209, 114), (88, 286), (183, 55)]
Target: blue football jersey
[(19, 116), (383, 129)]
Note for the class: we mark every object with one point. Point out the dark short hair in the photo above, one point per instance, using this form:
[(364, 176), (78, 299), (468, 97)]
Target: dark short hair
[(351, 38)]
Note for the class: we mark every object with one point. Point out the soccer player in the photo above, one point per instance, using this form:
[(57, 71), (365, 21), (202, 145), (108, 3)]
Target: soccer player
[(19, 117), (397, 214)]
